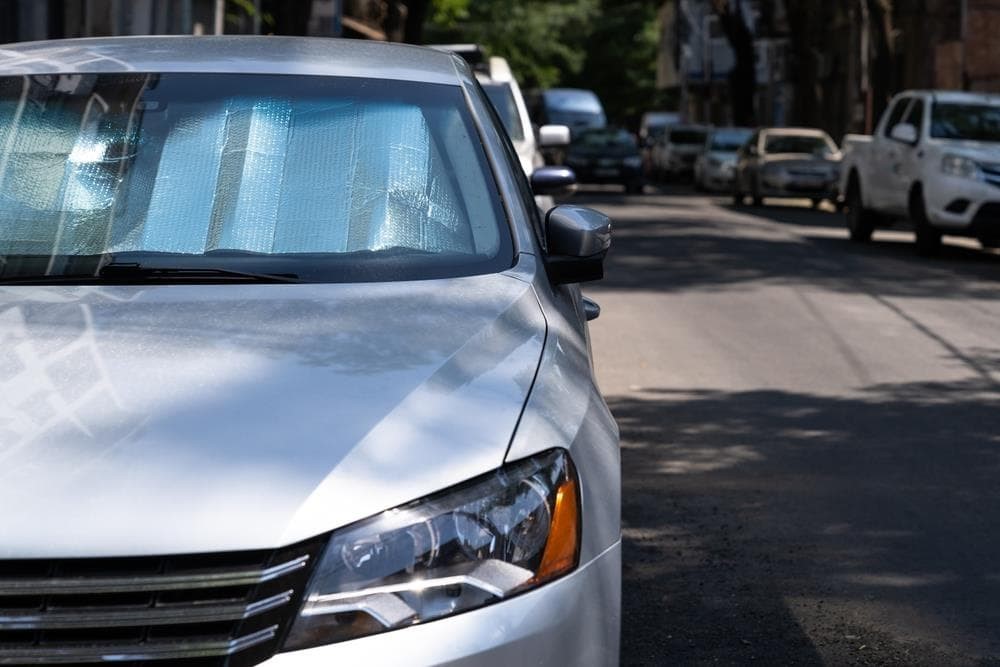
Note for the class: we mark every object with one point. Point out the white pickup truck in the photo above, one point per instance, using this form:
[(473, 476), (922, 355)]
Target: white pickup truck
[(935, 159)]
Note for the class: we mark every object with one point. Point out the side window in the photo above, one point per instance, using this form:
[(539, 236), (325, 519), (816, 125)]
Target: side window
[(523, 186), (895, 115), (916, 115)]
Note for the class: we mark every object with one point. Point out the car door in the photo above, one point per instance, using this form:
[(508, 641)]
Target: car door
[(886, 158), (908, 167)]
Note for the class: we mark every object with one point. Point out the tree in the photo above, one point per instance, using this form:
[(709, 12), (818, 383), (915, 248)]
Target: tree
[(743, 76), (543, 40)]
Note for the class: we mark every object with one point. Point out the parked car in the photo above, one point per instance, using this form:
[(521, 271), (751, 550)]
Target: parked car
[(935, 158), (297, 364), (654, 123), (503, 91), (714, 167), (496, 78), (652, 126), (674, 154), (608, 155), (577, 109), (787, 162)]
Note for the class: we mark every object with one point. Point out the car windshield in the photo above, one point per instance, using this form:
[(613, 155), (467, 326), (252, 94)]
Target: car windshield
[(502, 97), (573, 100), (971, 122), (728, 141), (688, 137), (322, 178), (809, 144)]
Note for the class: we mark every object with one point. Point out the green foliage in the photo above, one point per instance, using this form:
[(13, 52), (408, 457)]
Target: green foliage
[(609, 46), (543, 40)]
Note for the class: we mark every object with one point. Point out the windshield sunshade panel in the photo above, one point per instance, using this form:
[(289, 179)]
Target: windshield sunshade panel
[(189, 164)]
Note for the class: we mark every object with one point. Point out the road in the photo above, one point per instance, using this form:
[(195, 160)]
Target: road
[(810, 437)]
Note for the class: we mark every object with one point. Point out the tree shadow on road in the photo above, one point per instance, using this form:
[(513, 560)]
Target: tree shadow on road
[(698, 250), (790, 528)]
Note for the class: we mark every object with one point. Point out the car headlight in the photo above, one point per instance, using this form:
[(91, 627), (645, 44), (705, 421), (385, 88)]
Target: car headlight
[(632, 161), (960, 166), (479, 543)]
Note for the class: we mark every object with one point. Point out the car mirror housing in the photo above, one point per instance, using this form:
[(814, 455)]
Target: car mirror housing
[(904, 132), (553, 136), (555, 181), (578, 239)]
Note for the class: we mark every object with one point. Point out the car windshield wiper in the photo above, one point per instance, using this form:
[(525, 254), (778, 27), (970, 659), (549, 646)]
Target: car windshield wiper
[(135, 272)]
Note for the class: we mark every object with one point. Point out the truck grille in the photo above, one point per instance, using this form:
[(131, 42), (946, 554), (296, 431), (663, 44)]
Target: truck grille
[(991, 173), (212, 609)]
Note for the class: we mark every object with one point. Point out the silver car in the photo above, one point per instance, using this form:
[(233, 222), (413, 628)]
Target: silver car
[(292, 371), (714, 168), (787, 162)]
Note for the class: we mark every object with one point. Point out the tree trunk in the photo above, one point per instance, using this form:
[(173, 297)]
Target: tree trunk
[(743, 76), (290, 18), (416, 16)]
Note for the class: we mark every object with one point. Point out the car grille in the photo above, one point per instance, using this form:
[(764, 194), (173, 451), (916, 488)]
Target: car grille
[(991, 173), (212, 609)]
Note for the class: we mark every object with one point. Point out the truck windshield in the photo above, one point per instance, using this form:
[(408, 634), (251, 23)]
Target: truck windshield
[(970, 122), (324, 179)]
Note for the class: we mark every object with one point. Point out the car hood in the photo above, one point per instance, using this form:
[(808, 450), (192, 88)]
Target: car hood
[(724, 157), (798, 160), (141, 420), (980, 151)]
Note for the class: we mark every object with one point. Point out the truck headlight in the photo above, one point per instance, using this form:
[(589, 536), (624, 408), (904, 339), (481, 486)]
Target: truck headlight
[(960, 166), (479, 543)]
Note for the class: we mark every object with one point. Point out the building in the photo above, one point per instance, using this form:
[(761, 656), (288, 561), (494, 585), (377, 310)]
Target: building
[(23, 20)]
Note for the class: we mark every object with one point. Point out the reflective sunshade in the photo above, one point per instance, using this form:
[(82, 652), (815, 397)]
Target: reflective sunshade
[(321, 171)]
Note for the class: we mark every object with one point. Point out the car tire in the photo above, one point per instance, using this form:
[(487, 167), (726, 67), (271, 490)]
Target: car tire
[(756, 197), (860, 221), (928, 239)]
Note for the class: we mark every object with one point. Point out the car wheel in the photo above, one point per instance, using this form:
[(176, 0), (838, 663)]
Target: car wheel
[(860, 221), (927, 238), (738, 195)]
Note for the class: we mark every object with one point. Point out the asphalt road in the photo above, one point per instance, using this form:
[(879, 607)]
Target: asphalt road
[(810, 437)]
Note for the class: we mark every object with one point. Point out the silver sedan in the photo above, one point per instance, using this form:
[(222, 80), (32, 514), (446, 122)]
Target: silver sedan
[(788, 163), (295, 373)]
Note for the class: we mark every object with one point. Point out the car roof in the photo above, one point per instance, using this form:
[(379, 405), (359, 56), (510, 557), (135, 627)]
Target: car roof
[(956, 96), (240, 54)]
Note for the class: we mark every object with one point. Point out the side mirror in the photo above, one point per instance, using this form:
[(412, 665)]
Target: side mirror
[(905, 133), (578, 239), (553, 136), (555, 181)]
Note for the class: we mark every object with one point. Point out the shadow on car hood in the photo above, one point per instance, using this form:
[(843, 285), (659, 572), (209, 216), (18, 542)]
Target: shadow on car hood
[(142, 420)]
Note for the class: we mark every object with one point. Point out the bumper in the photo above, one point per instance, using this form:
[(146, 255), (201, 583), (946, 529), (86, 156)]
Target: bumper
[(790, 187), (717, 179), (610, 174), (572, 621), (980, 213)]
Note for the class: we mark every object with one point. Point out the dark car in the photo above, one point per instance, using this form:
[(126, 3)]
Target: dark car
[(606, 155)]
